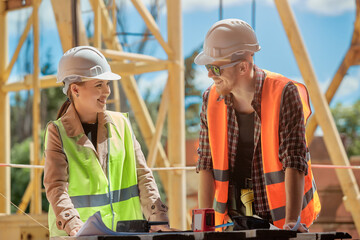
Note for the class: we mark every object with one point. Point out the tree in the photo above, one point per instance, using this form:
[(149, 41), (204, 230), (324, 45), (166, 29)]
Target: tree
[(347, 120)]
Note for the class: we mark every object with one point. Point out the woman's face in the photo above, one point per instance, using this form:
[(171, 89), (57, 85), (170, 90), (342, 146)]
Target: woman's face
[(90, 97)]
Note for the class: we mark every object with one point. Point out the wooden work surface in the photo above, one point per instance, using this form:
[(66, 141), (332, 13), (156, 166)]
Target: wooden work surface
[(246, 234)]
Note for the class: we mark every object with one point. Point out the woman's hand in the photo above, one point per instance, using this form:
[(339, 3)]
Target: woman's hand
[(75, 231)]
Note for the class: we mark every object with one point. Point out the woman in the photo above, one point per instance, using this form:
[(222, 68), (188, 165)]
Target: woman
[(93, 161)]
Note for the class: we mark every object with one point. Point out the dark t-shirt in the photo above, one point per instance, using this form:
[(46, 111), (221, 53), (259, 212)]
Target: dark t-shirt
[(90, 130), (245, 150)]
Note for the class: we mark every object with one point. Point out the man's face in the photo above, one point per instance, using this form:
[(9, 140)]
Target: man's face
[(227, 79)]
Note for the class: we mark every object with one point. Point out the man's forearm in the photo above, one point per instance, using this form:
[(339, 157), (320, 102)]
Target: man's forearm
[(294, 187), (206, 189)]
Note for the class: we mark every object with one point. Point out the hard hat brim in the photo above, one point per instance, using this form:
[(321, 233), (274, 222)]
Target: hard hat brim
[(203, 59), (104, 76)]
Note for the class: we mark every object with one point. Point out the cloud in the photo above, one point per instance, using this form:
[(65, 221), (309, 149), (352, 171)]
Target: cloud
[(205, 5), (349, 86), (153, 84), (330, 7), (320, 7)]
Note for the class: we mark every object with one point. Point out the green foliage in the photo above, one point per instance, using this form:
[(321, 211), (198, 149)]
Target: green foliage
[(20, 177), (347, 121)]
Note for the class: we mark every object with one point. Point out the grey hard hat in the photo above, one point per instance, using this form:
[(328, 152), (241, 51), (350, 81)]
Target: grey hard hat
[(83, 63), (225, 38)]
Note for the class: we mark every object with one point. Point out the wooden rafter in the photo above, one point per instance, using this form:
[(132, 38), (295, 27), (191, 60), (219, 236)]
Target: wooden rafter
[(352, 57), (331, 135)]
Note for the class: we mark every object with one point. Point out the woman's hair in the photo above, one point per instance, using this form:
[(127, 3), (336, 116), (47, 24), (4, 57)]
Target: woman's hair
[(68, 101)]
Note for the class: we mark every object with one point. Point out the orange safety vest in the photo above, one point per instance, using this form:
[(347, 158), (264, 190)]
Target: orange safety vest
[(274, 175)]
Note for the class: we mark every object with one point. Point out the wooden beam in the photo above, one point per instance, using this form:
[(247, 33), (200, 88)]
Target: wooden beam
[(63, 17), (176, 117), (28, 192), (134, 68), (151, 24), (120, 55), (36, 109), (161, 117), (45, 82), (97, 24), (352, 57), (18, 47), (4, 117), (330, 92), (143, 118), (17, 4), (331, 136)]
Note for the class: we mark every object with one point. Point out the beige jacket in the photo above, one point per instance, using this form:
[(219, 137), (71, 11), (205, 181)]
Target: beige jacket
[(56, 172)]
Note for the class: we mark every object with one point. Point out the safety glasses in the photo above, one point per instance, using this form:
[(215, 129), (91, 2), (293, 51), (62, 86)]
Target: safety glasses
[(216, 70)]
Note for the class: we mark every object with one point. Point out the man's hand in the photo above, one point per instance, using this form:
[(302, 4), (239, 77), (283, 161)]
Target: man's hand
[(163, 228), (290, 225), (206, 189)]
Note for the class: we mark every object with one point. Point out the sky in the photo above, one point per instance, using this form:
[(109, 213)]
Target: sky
[(326, 27)]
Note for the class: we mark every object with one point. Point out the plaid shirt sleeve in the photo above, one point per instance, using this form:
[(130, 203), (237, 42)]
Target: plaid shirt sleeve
[(204, 152), (292, 148)]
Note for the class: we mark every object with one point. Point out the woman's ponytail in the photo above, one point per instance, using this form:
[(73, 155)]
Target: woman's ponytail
[(63, 108)]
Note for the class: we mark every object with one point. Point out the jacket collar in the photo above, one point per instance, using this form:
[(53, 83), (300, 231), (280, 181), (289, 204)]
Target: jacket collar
[(72, 124)]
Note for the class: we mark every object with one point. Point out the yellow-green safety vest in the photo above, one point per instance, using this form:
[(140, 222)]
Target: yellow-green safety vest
[(90, 190)]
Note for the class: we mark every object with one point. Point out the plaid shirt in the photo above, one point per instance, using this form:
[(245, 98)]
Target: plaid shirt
[(292, 145)]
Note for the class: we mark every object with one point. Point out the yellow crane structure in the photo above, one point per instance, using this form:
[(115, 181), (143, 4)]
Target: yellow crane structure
[(72, 33)]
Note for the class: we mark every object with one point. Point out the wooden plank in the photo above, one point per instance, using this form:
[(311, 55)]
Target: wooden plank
[(330, 92), (159, 126), (352, 57), (36, 110), (120, 55), (45, 82), (62, 12), (28, 192), (4, 117), (17, 4), (176, 117), (134, 68), (331, 136), (151, 24), (18, 47), (97, 24)]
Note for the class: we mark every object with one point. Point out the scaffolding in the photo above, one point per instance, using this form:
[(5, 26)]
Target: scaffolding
[(72, 33)]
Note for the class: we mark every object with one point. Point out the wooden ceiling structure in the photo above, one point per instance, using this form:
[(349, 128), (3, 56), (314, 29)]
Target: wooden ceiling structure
[(130, 64)]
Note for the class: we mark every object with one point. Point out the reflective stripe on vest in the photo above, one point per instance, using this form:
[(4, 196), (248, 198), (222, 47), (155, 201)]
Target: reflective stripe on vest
[(114, 194), (271, 102), (273, 173)]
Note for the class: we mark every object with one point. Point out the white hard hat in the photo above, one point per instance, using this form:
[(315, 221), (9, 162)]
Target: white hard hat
[(83, 63), (225, 38)]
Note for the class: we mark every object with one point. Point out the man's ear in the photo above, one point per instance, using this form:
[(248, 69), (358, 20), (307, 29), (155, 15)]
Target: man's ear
[(243, 67)]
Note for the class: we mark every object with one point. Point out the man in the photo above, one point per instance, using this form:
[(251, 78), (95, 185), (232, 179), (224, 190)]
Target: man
[(253, 157)]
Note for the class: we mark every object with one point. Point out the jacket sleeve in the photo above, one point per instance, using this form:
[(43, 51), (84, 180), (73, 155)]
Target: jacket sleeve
[(152, 206), (56, 182), (203, 151), (293, 151)]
